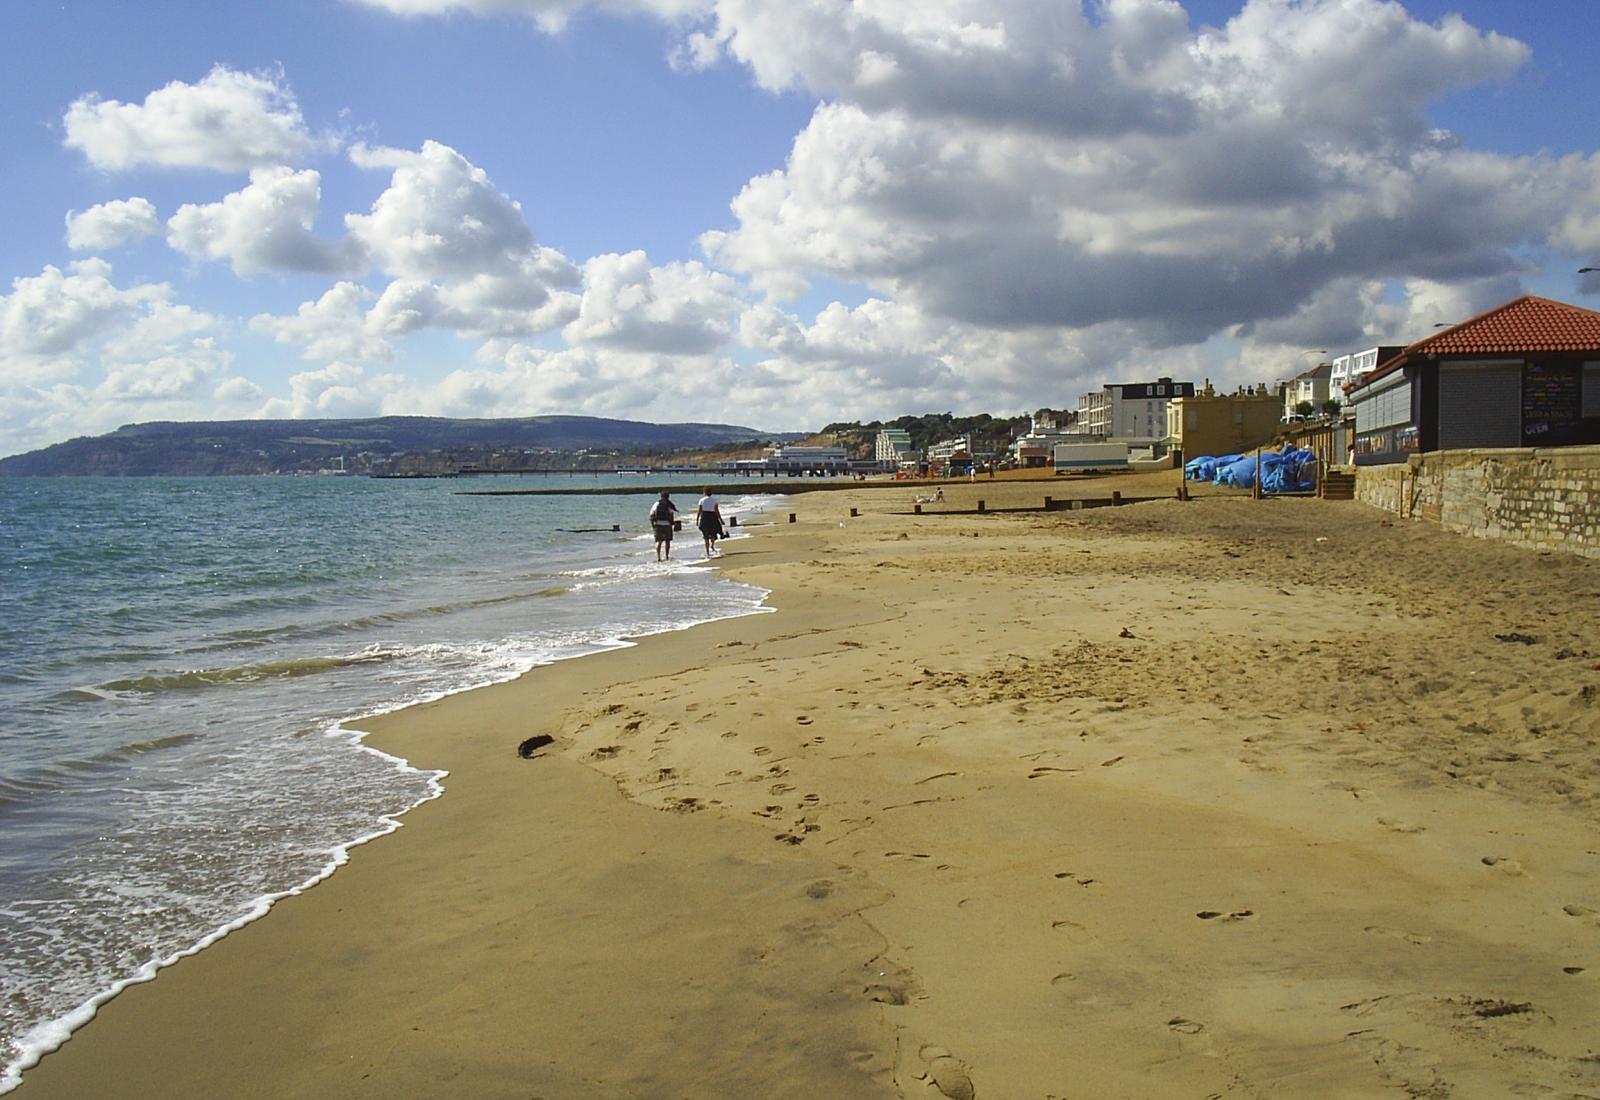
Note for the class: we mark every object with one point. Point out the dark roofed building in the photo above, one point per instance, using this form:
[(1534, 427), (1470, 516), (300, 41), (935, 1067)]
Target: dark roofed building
[(1524, 374)]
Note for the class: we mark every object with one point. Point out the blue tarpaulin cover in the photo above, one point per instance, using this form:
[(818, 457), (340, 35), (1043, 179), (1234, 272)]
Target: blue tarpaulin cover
[(1290, 470)]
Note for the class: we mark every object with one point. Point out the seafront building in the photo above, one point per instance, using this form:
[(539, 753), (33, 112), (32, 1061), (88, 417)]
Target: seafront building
[(957, 449), (1307, 388), (1209, 423), (1135, 412), (795, 459), (1524, 374), (1037, 447), (893, 448), (1347, 370)]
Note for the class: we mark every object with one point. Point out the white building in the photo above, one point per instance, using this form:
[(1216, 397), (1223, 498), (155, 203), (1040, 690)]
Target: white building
[(1352, 368), (1309, 387), (946, 449), (1134, 411), (893, 448)]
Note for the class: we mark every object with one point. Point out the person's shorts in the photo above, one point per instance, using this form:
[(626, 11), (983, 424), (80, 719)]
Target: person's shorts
[(663, 532)]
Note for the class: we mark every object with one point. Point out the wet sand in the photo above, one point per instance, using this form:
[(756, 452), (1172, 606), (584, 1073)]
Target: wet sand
[(1219, 798)]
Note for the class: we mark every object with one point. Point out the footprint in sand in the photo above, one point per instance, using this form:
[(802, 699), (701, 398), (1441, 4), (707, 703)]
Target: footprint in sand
[(605, 752), (948, 1074), (1185, 1026), (780, 788), (789, 838), (761, 750), (1415, 938), (768, 811), (1237, 914), (1114, 760), (1080, 880), (730, 733), (1074, 931), (936, 775), (1503, 865), (1583, 913), (1045, 769), (1396, 826), (804, 720)]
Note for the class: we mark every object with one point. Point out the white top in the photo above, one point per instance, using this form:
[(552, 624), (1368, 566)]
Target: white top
[(707, 503)]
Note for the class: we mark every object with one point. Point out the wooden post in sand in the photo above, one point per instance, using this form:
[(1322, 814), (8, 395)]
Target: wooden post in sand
[(854, 513), (1255, 490), (980, 506), (1049, 503), (791, 517), (733, 521), (916, 509), (1116, 497), (616, 527)]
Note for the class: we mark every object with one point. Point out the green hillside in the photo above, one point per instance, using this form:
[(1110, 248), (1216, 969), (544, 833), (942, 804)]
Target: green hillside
[(388, 444)]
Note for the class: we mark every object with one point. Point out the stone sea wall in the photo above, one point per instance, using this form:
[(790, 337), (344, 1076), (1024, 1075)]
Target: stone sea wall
[(1544, 499)]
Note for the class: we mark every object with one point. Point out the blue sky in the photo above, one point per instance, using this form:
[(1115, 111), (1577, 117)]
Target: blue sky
[(773, 215)]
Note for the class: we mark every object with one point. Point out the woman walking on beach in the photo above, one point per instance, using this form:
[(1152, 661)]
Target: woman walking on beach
[(661, 519), (708, 517)]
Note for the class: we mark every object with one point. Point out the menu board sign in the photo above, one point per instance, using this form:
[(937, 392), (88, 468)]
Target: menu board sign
[(1552, 404)]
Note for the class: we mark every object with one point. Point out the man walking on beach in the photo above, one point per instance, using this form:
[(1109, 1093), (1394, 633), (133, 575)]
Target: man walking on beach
[(708, 517), (661, 518)]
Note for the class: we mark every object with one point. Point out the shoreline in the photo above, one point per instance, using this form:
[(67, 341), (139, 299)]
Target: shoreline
[(48, 1036), (988, 803)]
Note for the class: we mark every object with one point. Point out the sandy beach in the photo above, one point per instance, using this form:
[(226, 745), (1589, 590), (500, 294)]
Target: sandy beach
[(1219, 798)]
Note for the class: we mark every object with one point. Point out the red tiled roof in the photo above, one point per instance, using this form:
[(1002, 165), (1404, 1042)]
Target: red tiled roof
[(1526, 324)]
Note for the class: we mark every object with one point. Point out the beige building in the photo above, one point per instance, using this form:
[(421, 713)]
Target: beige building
[(1210, 423)]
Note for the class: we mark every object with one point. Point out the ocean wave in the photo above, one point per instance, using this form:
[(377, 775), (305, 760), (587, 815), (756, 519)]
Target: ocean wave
[(288, 669)]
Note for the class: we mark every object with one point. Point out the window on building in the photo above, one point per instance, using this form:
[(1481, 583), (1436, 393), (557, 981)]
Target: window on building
[(1385, 409)]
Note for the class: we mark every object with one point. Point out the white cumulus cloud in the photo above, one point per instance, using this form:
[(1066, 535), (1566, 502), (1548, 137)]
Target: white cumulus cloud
[(229, 121), (112, 224), (461, 255), (266, 226), (55, 313), (334, 326), (678, 309), (85, 355)]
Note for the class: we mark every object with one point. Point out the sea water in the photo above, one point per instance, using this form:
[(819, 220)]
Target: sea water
[(185, 662)]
